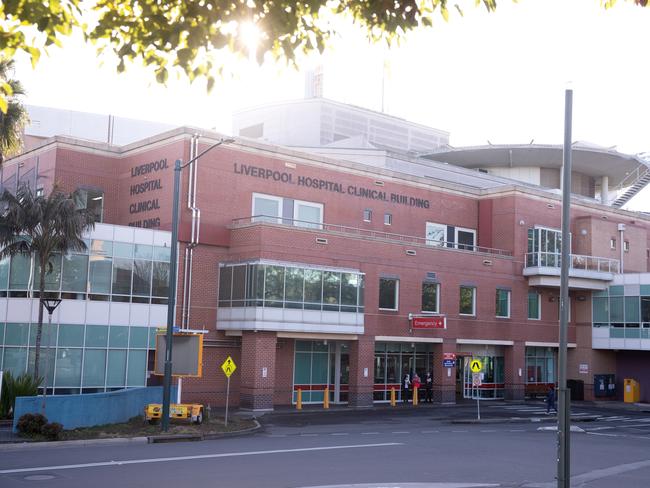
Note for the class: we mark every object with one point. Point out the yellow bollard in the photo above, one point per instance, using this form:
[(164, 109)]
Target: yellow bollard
[(392, 397), (299, 399), (326, 398), (415, 396)]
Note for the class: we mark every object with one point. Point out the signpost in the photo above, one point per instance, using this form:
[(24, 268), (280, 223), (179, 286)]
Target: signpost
[(476, 366), (228, 368)]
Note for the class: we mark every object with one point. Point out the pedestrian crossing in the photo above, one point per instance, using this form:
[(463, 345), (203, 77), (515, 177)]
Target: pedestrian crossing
[(533, 410)]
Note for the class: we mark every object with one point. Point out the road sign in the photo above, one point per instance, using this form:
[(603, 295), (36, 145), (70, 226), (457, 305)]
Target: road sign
[(228, 366), (449, 355), (476, 379), (448, 363), (475, 366)]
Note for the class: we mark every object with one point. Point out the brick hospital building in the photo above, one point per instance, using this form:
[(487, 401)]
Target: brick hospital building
[(314, 271)]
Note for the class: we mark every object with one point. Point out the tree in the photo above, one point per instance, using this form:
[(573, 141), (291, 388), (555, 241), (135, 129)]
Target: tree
[(41, 226), (14, 116), (196, 36)]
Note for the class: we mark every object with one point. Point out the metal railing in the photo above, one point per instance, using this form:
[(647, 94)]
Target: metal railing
[(347, 231), (578, 261)]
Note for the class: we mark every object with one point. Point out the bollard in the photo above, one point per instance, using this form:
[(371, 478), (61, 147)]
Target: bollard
[(326, 398), (392, 397), (299, 399), (415, 396)]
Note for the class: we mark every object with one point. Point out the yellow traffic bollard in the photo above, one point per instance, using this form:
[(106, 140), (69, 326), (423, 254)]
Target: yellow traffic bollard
[(392, 397), (299, 399), (326, 398), (415, 396)]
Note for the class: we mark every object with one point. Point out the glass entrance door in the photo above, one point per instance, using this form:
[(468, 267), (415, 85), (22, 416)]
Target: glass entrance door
[(492, 380), (321, 365)]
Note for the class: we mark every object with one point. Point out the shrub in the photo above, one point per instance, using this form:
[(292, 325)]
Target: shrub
[(31, 424), (12, 387), (52, 430)]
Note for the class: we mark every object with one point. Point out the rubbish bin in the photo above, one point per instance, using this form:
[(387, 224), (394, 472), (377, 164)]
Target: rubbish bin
[(631, 393), (604, 385), (577, 388)]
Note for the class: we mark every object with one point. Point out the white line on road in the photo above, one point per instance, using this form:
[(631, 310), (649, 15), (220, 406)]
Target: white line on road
[(339, 433), (369, 433), (400, 432), (308, 435), (430, 432), (189, 458), (517, 430)]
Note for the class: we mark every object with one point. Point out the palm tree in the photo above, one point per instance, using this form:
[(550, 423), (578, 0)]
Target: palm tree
[(40, 226), (14, 120)]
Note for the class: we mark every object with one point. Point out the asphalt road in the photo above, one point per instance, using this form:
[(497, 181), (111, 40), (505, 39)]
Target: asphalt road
[(380, 447)]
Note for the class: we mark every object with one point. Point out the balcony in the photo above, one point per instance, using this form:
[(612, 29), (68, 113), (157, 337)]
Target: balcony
[(365, 234), (585, 272)]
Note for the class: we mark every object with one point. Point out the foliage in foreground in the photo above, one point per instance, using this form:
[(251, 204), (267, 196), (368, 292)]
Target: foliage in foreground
[(185, 34), (12, 387), (36, 426)]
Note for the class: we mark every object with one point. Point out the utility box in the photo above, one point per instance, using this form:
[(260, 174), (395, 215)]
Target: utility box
[(631, 391), (604, 385)]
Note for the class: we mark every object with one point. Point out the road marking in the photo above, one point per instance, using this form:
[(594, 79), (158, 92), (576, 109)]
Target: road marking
[(190, 458), (603, 434), (583, 479), (488, 431), (599, 428), (339, 433), (400, 432), (517, 430), (430, 432), (308, 435), (458, 431), (369, 433)]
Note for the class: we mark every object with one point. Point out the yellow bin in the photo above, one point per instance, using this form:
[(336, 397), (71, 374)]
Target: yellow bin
[(631, 393)]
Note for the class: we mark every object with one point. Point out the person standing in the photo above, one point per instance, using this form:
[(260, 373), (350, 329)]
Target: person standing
[(428, 388), (406, 386), (416, 385), (550, 400)]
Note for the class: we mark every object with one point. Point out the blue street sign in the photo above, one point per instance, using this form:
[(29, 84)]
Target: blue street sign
[(448, 363)]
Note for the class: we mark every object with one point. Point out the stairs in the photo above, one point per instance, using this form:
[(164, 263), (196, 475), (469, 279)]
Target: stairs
[(632, 190)]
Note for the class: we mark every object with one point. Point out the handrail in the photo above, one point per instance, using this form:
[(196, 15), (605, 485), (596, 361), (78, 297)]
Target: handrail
[(365, 233), (577, 261)]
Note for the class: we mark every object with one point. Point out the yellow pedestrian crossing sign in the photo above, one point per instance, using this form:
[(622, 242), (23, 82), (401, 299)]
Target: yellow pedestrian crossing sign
[(475, 366), (228, 366)]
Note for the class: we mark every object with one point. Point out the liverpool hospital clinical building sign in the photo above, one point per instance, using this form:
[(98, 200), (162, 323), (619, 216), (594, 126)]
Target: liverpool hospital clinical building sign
[(145, 178), (329, 185)]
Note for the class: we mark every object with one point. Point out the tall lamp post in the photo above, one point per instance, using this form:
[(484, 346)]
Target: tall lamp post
[(171, 298), (50, 304)]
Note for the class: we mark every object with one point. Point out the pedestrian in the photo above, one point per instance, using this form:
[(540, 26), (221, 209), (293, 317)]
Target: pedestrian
[(550, 400), (428, 388), (416, 384), (406, 386)]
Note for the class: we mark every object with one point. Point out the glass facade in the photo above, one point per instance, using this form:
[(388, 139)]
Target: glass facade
[(540, 365), (285, 286), (393, 360), (82, 358), (91, 357), (626, 313), (315, 367), (107, 271)]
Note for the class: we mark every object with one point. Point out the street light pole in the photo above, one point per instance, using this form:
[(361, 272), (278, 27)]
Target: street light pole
[(50, 304), (171, 298), (563, 404)]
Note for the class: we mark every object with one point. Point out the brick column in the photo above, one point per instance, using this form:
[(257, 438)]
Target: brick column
[(257, 353), (362, 357), (444, 387), (515, 360)]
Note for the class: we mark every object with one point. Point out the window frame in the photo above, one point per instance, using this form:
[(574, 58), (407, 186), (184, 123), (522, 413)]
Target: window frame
[(388, 218), (474, 292), (434, 242), (279, 200), (306, 224), (612, 243), (437, 285), (539, 305), (396, 296), (508, 303), (367, 215), (457, 245)]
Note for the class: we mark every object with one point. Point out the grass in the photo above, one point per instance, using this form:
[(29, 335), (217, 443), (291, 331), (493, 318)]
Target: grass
[(137, 427)]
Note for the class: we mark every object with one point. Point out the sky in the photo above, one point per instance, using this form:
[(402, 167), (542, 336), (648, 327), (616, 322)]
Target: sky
[(497, 77)]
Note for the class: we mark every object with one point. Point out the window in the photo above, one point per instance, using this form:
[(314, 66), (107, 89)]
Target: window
[(626, 246), (534, 310), (367, 215), (388, 293), (503, 303), (467, 300), (93, 201), (430, 297), (436, 234), (388, 219), (266, 208), (465, 238), (307, 214), (612, 243)]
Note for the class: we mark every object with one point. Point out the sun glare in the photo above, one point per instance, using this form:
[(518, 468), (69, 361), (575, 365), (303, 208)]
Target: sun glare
[(250, 35)]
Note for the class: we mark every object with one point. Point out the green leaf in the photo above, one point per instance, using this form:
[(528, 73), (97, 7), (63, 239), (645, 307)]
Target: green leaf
[(3, 103)]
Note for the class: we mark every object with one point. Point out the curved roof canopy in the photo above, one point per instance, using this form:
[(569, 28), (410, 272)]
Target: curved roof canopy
[(587, 159)]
